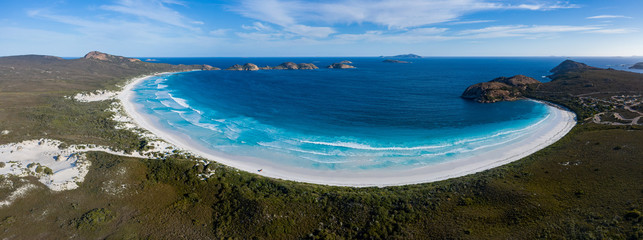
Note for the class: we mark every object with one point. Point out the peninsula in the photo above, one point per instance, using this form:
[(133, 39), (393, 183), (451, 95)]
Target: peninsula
[(604, 96)]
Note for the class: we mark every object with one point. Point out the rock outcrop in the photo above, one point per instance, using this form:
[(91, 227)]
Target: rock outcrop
[(340, 66), (519, 81), (250, 67), (245, 67), (346, 62), (307, 66), (499, 89), (96, 55), (287, 66), (568, 66), (638, 65), (283, 66), (235, 67), (394, 61), (206, 67)]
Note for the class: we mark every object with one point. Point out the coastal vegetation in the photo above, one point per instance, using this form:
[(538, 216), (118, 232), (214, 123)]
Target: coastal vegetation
[(585, 186)]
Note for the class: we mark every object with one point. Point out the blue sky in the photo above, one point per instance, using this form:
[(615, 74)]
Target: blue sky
[(257, 28)]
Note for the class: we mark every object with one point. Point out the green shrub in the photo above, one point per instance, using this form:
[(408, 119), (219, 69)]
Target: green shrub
[(94, 218)]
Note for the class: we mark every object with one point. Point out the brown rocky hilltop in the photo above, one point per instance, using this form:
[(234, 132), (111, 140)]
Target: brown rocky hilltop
[(499, 89), (104, 57), (96, 55)]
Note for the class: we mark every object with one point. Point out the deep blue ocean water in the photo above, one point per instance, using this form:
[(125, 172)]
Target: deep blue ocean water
[(379, 115)]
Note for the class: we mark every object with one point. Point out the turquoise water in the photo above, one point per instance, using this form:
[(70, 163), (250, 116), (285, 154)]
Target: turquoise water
[(377, 116)]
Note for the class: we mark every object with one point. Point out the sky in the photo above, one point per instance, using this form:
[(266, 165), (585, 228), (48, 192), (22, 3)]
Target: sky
[(276, 28)]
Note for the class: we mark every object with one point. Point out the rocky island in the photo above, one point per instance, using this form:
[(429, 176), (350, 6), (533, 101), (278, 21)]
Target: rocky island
[(245, 67), (340, 66), (283, 66)]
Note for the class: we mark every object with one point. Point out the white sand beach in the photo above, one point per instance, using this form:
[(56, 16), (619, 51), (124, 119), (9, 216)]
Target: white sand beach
[(557, 125)]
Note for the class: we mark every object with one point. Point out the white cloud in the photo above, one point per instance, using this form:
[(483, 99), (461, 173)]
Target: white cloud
[(607, 17), (535, 31), (394, 14), (543, 6), (256, 36), (411, 36), (257, 26), (139, 33), (471, 22), (219, 32), (308, 31), (272, 11), (155, 10), (614, 31)]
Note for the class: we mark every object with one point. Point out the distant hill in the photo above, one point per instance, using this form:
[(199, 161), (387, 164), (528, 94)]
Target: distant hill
[(569, 66)]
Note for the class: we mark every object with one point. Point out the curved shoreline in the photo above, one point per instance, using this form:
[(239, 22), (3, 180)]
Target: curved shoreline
[(549, 133)]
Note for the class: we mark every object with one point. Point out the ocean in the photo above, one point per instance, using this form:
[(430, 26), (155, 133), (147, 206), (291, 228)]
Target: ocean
[(378, 116)]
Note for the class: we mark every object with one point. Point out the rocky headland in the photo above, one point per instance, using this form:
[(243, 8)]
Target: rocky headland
[(96, 55), (514, 88), (134, 62), (638, 65), (567, 67), (499, 89), (604, 96)]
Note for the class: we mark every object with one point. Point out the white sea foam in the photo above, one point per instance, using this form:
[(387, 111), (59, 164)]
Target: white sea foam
[(368, 147), (180, 101)]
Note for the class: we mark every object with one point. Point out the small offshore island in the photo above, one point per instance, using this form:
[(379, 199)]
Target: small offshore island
[(74, 160)]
